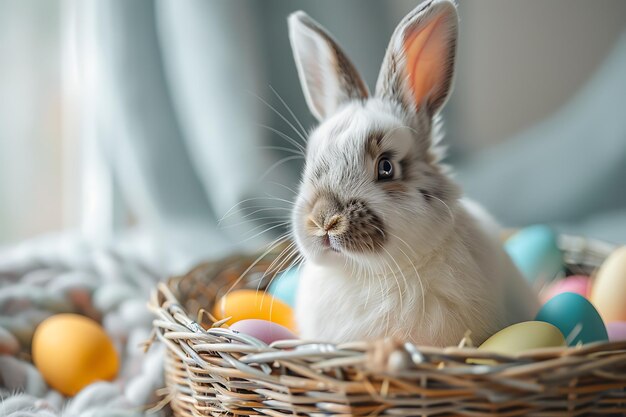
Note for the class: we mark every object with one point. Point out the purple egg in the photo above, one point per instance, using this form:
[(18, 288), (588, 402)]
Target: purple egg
[(616, 331), (264, 330)]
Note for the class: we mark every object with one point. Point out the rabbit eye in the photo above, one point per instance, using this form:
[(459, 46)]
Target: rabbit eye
[(385, 169)]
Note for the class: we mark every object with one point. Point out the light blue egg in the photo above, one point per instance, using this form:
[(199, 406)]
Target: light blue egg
[(535, 252), (285, 286), (575, 317)]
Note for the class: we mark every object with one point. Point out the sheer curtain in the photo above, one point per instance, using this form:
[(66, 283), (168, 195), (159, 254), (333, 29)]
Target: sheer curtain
[(31, 144)]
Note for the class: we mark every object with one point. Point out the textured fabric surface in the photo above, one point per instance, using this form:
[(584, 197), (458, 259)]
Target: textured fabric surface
[(61, 274)]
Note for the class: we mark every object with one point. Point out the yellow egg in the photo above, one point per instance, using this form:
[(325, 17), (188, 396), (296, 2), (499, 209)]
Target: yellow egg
[(251, 304), (608, 293), (72, 351), (520, 337)]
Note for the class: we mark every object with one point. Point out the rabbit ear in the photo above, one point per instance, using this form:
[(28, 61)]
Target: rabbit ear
[(327, 76), (418, 68)]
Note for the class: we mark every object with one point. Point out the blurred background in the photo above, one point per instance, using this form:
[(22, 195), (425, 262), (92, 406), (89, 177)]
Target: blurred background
[(150, 121)]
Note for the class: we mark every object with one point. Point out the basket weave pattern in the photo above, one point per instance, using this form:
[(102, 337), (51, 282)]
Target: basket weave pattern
[(214, 371)]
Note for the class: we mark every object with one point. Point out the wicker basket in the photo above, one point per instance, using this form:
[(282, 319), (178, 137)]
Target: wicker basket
[(215, 371)]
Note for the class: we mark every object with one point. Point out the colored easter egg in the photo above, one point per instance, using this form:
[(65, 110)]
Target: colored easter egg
[(251, 304), (575, 317), (72, 351), (609, 289), (616, 331), (264, 330), (524, 336), (578, 284), (535, 252), (285, 285)]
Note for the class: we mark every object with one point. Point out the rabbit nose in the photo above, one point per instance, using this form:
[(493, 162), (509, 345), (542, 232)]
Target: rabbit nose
[(327, 225), (326, 218), (332, 224)]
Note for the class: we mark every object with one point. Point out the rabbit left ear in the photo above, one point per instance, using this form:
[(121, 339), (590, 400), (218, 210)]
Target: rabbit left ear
[(327, 76), (418, 68)]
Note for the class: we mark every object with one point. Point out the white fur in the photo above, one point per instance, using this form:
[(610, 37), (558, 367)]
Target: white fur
[(468, 284), (441, 270)]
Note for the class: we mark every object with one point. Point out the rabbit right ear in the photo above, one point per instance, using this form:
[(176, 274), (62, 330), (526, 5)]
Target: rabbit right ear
[(418, 68), (327, 76)]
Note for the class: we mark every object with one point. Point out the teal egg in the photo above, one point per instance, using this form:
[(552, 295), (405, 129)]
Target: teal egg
[(575, 317), (285, 286), (535, 252)]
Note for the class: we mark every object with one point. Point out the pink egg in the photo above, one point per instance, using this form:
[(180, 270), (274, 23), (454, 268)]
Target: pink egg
[(616, 331), (577, 284), (264, 330)]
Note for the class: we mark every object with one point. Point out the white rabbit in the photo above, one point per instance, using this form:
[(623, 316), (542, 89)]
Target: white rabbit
[(390, 247)]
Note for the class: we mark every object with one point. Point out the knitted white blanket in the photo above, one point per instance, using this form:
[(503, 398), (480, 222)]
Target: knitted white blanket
[(64, 274)]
